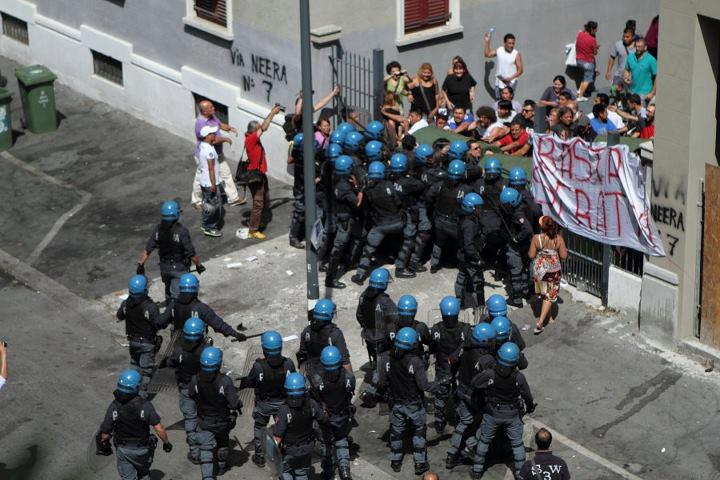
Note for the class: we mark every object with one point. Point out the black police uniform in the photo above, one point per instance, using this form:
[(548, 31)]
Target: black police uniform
[(142, 321), (530, 208), (470, 281), (297, 222), (445, 198), (349, 226), (217, 407), (518, 242), (317, 336), (324, 193), (128, 419), (175, 250), (490, 217), (294, 426), (267, 377), (186, 361), (411, 191), (189, 305), (447, 338), (334, 390), (429, 176), (423, 336), (375, 309)]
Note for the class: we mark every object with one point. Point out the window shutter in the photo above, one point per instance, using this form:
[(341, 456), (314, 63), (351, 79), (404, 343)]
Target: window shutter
[(212, 10), (424, 14)]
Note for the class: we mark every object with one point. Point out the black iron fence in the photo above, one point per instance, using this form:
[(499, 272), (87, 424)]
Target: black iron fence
[(584, 267), (361, 82)]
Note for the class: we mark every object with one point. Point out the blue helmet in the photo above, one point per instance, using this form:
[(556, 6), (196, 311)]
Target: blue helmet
[(374, 130), (510, 196), (470, 202), (333, 151), (456, 169), (189, 283), (376, 171), (170, 210), (517, 177), (298, 141), (508, 355), (330, 358), (343, 164), (352, 141), (373, 150), (137, 285), (271, 343), (129, 381), (210, 359), (482, 333), (423, 152), (324, 310), (194, 329), (379, 278), (493, 166), (406, 338), (496, 305), (458, 149), (399, 163), (407, 306), (337, 137), (450, 306), (502, 327), (345, 128), (295, 384)]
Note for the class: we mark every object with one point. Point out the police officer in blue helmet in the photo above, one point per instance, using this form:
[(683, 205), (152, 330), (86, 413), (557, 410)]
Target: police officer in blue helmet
[(517, 178), (321, 332), (517, 234), (407, 308), (267, 376), (375, 312), (491, 216), (127, 421), (504, 386), (412, 192), (470, 281), (175, 249)]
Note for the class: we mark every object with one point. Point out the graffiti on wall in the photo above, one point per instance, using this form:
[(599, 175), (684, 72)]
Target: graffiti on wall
[(668, 205), (260, 72)]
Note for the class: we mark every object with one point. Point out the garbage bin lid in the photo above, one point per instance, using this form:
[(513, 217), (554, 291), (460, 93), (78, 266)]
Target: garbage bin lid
[(5, 94), (34, 75)]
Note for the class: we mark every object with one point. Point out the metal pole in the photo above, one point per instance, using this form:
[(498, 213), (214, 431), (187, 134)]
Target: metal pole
[(313, 292)]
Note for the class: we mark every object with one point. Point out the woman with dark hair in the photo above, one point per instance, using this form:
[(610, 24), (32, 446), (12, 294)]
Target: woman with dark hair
[(586, 48), (459, 88), (396, 83), (547, 250), (322, 132), (551, 95)]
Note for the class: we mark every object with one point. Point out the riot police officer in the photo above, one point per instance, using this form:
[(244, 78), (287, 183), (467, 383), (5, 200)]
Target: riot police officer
[(320, 333), (470, 282), (218, 405), (374, 151), (267, 377), (294, 432), (406, 311), (477, 355), (506, 331), (490, 218), (333, 388), (186, 361), (402, 375), (447, 337), (297, 222), (504, 385), (347, 202), (519, 234), (532, 211), (429, 173), (374, 130), (386, 214), (127, 421), (175, 248), (141, 317), (410, 190), (188, 305), (445, 197), (375, 309)]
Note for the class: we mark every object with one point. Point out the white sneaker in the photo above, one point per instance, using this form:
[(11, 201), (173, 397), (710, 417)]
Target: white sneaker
[(581, 99)]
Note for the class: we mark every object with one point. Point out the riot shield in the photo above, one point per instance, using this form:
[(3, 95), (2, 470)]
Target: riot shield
[(273, 455), (163, 377)]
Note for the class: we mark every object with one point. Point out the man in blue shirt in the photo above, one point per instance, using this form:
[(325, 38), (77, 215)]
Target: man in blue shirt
[(643, 69), (600, 123)]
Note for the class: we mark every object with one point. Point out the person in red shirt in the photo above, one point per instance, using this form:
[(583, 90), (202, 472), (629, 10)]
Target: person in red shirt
[(257, 162), (586, 47), (515, 143), (648, 130)]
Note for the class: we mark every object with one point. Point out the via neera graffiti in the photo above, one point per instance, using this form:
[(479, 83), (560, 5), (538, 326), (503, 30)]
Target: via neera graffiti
[(668, 204), (263, 72)]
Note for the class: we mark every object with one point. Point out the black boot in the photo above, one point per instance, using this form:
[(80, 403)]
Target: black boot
[(344, 473), (451, 461), (417, 267), (332, 283), (258, 459), (359, 278), (295, 243), (396, 465), (435, 268), (421, 468), (404, 273)]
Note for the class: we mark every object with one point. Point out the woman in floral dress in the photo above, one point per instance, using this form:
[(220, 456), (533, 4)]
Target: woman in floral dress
[(547, 250)]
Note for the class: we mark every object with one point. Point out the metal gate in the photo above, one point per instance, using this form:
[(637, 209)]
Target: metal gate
[(587, 267), (361, 83)]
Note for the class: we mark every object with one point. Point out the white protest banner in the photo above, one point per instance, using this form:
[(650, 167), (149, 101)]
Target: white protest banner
[(595, 191)]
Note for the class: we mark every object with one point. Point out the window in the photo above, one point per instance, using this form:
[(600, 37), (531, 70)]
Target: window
[(15, 28), (107, 68), (210, 16), (421, 20), (221, 111), (212, 10), (424, 14)]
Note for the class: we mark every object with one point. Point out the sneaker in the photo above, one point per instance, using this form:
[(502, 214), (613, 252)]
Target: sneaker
[(421, 468), (256, 234), (396, 465), (581, 99), (211, 232)]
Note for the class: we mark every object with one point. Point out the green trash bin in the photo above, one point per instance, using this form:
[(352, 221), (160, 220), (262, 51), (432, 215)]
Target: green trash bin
[(5, 123), (38, 98)]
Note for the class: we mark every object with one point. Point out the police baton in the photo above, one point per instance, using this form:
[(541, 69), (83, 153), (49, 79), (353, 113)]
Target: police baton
[(248, 337)]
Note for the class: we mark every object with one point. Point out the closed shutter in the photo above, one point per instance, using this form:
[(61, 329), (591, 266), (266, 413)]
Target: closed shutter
[(424, 14), (212, 10)]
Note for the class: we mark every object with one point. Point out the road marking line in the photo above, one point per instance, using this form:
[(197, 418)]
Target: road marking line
[(585, 452), (84, 199)]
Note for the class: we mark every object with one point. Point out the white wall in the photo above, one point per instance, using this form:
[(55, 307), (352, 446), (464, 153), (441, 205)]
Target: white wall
[(624, 291)]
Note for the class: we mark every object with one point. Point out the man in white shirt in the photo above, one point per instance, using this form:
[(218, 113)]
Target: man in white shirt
[(487, 126), (509, 65), (213, 213), (416, 121)]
